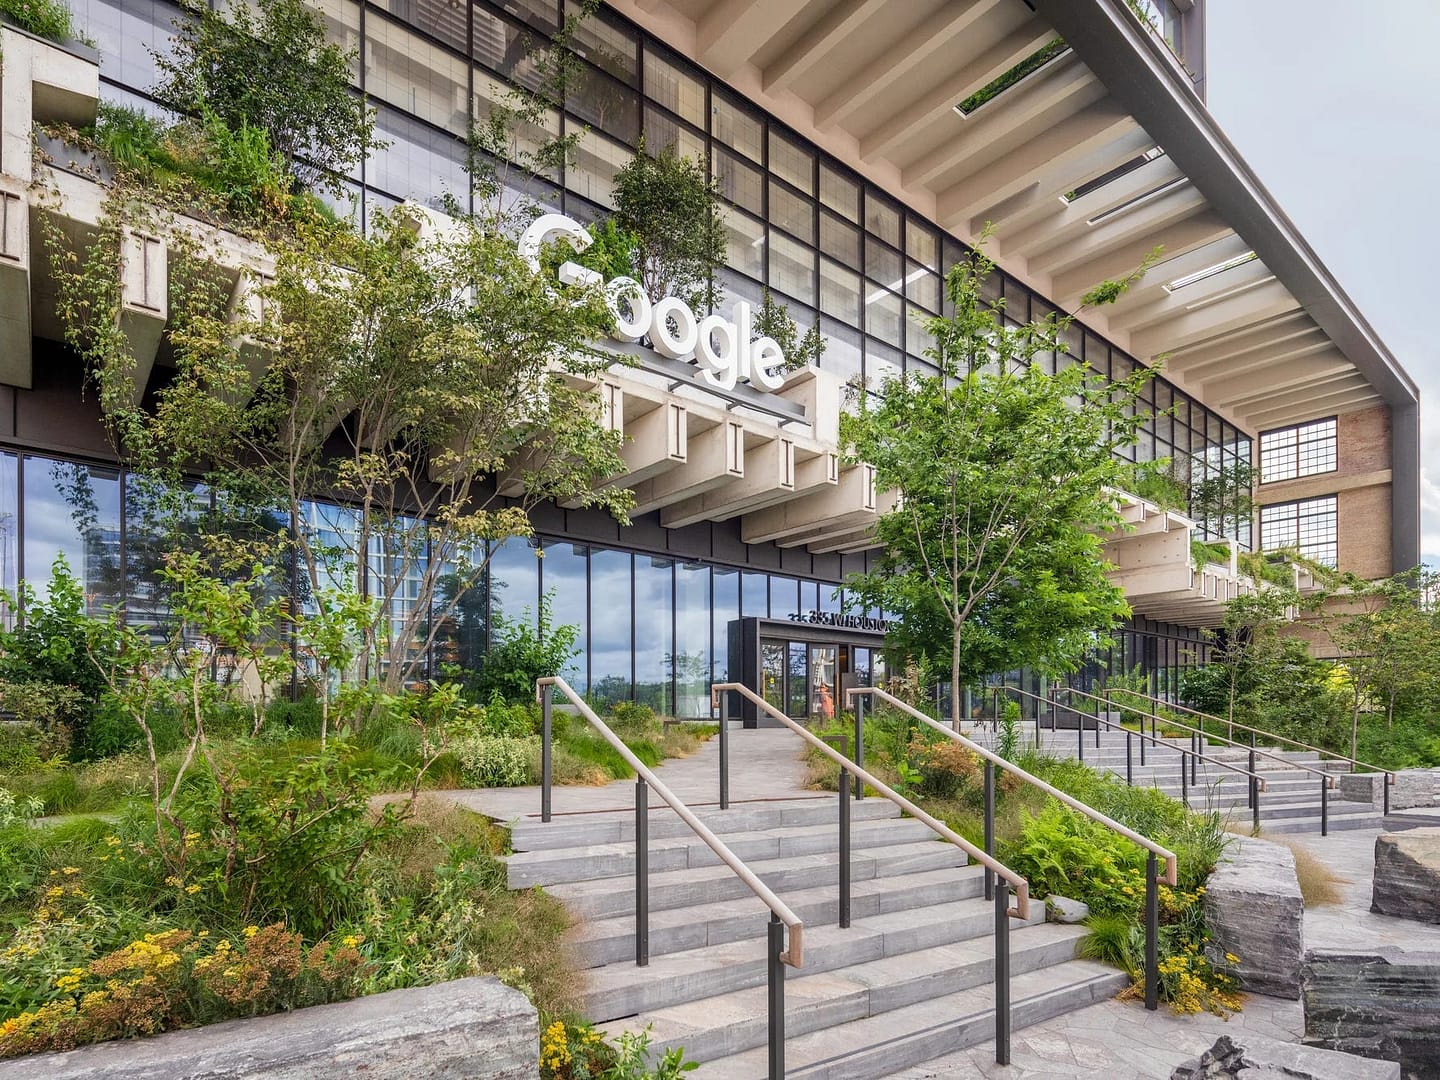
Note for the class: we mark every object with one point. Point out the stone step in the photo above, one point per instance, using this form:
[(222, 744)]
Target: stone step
[(612, 940), (602, 897), (554, 866), (585, 829), (623, 990), (1367, 819), (891, 1041), (732, 1023)]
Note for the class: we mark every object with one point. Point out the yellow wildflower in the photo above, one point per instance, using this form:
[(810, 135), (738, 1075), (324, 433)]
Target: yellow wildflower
[(70, 871), (350, 941), (250, 931), (173, 881), (192, 889)]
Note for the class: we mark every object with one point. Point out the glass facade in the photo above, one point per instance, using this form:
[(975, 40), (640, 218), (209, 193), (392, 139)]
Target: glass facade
[(1302, 450), (1309, 526)]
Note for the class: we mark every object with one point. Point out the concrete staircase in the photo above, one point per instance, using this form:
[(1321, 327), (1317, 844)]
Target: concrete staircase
[(1290, 803), (908, 981)]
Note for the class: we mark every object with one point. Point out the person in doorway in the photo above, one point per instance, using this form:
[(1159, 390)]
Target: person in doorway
[(824, 703)]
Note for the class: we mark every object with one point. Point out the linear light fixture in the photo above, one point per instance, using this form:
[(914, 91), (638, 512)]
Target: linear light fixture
[(1139, 200), (1209, 271), (1110, 177)]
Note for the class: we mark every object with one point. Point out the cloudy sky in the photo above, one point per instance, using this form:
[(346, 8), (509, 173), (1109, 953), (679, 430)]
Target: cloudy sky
[(1336, 105)]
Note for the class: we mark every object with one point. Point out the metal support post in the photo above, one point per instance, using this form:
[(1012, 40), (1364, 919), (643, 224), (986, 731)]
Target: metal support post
[(545, 707), (989, 827), (1152, 933), (1002, 972), (1325, 806), (1184, 779), (775, 985), (1195, 761), (1385, 783), (725, 750), (845, 839), (1129, 769), (1254, 786), (1142, 741), (860, 743), (642, 873), (1080, 734)]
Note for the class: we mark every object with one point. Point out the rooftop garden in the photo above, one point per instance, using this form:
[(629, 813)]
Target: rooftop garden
[(49, 19)]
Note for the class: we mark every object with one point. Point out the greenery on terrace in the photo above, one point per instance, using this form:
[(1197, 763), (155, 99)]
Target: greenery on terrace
[(44, 18)]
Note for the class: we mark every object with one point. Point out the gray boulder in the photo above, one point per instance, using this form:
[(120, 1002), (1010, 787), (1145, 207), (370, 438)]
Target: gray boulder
[(1407, 875), (1062, 909), (1254, 910), (1253, 1057), (1412, 788), (1382, 1003)]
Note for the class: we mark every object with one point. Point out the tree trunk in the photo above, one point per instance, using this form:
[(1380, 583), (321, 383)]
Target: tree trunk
[(955, 696)]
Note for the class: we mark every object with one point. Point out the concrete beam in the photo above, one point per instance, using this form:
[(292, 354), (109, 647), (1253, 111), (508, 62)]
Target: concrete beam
[(1243, 308), (889, 70), (817, 41), (144, 301), (1193, 227), (656, 442), (715, 457), (848, 502), (730, 32), (16, 359), (767, 482)]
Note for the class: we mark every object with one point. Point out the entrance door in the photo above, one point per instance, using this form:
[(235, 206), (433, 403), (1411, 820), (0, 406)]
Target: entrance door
[(772, 672), (822, 682)]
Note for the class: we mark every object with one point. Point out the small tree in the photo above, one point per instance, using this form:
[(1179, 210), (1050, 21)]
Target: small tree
[(774, 321), (992, 555), (1248, 645), (672, 208), (271, 69)]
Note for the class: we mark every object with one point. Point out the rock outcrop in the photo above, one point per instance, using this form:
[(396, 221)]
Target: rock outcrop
[(1383, 1003), (1254, 910), (1254, 1057), (1407, 875), (1412, 788)]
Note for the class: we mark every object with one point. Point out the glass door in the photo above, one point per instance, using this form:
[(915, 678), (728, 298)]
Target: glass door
[(822, 682), (772, 672), (796, 697)]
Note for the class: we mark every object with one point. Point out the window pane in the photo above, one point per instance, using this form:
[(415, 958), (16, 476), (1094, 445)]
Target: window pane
[(73, 511), (793, 213), (505, 49), (725, 584), (784, 597), (416, 76), (735, 126), (608, 46), (674, 88), (839, 292), (692, 640), (592, 174), (604, 103), (839, 192), (882, 264), (922, 286), (842, 349), (662, 130), (610, 654), (515, 580), (882, 217), (840, 241), (883, 314), (654, 609), (754, 595), (740, 182), (922, 243), (792, 162), (792, 269), (744, 243), (563, 575)]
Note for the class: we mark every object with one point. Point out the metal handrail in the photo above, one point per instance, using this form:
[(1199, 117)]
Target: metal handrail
[(793, 955), (1152, 739), (1152, 849), (1286, 762), (997, 889), (1204, 716), (1010, 767), (1021, 910)]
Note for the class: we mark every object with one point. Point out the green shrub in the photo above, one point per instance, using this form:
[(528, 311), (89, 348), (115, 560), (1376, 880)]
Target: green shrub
[(514, 721), (293, 719), (520, 654), (496, 760), (44, 18), (632, 716), (1062, 852)]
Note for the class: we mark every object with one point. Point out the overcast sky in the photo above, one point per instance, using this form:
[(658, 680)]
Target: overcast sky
[(1336, 105)]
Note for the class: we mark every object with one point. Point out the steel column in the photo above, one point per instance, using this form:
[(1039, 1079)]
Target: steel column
[(989, 827), (725, 750), (845, 838), (1385, 783), (545, 770), (775, 986), (642, 873), (1129, 768), (1152, 933), (1325, 806), (860, 743), (1002, 972), (1184, 779)]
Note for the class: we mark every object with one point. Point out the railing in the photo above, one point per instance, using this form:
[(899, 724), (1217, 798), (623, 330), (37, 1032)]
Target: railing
[(993, 761), (1189, 758), (783, 922), (1005, 878), (1199, 737), (1155, 704)]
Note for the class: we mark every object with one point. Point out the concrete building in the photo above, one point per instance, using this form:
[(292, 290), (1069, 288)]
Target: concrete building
[(860, 146)]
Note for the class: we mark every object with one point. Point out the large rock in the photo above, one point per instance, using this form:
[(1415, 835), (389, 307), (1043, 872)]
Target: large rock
[(1407, 875), (1412, 788), (1383, 1003), (1256, 1057), (1254, 911), (469, 1028)]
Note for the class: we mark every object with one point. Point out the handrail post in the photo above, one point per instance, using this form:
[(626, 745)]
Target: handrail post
[(545, 765), (775, 986), (1054, 708), (1097, 717), (1142, 741), (642, 872), (1324, 806), (859, 743), (1129, 770), (1253, 792), (844, 840), (1002, 971), (989, 827), (1079, 733), (724, 750), (1385, 779), (1184, 779), (1152, 933), (1195, 759)]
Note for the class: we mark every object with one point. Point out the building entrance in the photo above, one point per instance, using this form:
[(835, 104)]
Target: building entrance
[(802, 670)]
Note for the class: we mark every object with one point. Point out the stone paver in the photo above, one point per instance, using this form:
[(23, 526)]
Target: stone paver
[(765, 763), (1351, 924)]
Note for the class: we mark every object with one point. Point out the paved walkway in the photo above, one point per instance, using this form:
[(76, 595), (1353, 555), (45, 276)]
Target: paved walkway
[(765, 763)]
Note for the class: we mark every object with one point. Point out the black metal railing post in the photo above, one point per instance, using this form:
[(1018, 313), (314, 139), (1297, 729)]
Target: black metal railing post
[(1054, 709), (1079, 733), (1002, 972), (545, 768), (1152, 933), (725, 750), (775, 986), (1184, 779), (845, 837), (859, 743), (1142, 741), (1195, 760), (989, 827), (1253, 783), (1385, 783), (1129, 768), (1324, 806), (1097, 718), (642, 872)]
